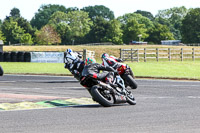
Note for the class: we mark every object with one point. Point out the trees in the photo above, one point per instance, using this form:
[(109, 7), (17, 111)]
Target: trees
[(15, 13), (94, 24), (60, 23), (12, 31), (26, 39), (134, 24), (71, 26), (159, 32), (138, 17), (72, 9), (114, 33), (132, 29), (47, 36), (99, 11), (98, 30), (17, 29), (145, 14), (44, 13), (26, 26), (191, 26), (173, 19), (79, 24), (2, 36)]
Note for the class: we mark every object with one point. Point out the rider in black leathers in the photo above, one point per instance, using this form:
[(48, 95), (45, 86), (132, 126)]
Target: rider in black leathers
[(74, 63), (93, 69), (76, 68)]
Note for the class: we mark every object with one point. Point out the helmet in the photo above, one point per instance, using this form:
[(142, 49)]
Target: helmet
[(89, 60), (104, 55), (69, 51), (70, 56)]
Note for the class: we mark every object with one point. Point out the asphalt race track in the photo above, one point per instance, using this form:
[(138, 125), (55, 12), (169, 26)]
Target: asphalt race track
[(163, 106)]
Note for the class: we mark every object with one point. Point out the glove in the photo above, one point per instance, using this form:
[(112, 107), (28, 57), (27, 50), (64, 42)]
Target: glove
[(80, 56), (120, 60)]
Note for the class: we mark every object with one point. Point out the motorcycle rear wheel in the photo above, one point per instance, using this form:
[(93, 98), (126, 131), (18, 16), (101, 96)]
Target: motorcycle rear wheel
[(101, 97)]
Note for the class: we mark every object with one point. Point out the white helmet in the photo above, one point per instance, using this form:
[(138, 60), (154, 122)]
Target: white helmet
[(70, 56)]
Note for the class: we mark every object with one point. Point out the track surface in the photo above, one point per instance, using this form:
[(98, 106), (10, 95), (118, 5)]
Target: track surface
[(163, 106)]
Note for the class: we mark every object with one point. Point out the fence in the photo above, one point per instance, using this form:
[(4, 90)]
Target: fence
[(86, 53), (160, 54)]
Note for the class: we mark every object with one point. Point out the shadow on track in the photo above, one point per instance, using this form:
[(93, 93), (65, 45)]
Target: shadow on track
[(98, 106), (58, 82), (73, 105)]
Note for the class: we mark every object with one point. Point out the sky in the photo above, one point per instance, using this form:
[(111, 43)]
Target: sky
[(28, 8)]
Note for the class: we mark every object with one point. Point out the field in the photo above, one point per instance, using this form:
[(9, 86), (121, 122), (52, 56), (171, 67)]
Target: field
[(161, 69)]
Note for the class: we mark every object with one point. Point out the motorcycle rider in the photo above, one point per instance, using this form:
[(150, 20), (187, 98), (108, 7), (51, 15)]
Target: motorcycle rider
[(113, 62), (110, 60), (74, 63), (93, 69)]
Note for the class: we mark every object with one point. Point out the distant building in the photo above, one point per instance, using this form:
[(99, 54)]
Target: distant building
[(171, 42)]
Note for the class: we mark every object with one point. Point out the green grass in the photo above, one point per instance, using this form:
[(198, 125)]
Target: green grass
[(174, 69), (34, 68)]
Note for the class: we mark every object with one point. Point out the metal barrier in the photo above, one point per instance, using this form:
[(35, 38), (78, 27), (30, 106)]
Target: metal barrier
[(22, 56)]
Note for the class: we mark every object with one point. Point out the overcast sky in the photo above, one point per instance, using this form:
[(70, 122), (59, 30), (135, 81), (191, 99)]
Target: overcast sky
[(29, 7)]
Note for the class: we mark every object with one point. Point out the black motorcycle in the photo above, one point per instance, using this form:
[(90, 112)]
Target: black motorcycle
[(106, 95), (127, 75)]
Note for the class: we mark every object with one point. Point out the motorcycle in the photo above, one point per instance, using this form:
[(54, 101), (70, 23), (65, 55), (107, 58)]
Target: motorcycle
[(106, 95), (127, 75)]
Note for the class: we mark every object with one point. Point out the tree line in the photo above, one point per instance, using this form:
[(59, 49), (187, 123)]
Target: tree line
[(58, 25)]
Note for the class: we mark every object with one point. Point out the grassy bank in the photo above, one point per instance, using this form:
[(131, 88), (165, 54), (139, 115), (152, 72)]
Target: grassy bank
[(187, 69)]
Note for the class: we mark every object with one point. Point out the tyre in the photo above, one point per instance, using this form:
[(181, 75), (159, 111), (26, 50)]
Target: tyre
[(20, 57), (1, 56), (130, 99), (13, 56), (1, 71), (131, 82), (6, 56), (101, 96), (27, 57)]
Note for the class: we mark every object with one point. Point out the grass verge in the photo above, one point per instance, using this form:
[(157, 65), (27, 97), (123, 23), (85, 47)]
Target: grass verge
[(34, 68), (174, 69)]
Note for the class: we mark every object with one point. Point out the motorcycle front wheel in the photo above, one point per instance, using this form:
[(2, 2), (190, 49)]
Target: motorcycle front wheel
[(130, 99), (101, 96)]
